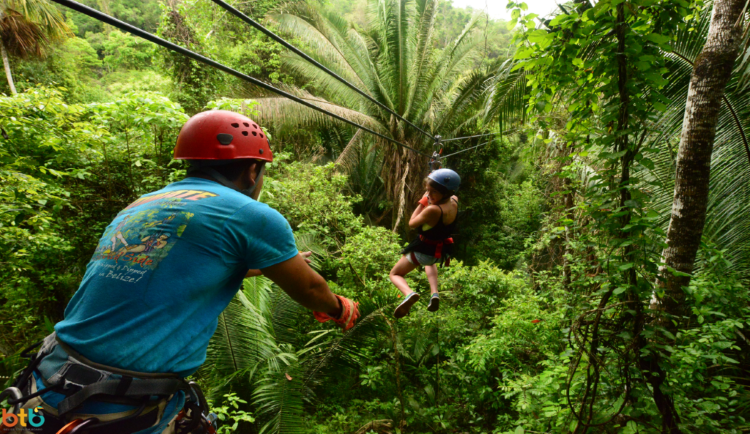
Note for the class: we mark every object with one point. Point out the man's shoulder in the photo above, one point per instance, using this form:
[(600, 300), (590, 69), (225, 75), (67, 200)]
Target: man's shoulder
[(252, 208)]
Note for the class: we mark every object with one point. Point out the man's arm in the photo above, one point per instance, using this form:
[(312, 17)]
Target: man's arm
[(304, 285), (255, 273)]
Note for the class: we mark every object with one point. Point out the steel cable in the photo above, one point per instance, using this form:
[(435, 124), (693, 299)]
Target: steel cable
[(468, 149), (93, 13), (317, 64), (468, 137)]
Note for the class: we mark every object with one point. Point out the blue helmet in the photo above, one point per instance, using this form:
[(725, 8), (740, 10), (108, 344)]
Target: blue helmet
[(447, 178)]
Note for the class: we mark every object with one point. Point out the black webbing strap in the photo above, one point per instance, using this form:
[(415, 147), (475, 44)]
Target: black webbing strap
[(163, 387)]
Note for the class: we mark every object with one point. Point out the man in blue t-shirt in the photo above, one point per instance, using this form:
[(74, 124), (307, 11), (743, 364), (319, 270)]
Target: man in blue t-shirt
[(165, 269)]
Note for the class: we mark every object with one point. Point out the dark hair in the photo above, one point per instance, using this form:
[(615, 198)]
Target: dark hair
[(443, 190)]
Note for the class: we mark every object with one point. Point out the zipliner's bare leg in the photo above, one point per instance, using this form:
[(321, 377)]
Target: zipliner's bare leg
[(432, 277), (401, 269)]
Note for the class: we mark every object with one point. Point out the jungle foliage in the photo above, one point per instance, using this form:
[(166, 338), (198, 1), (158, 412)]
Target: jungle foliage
[(550, 318)]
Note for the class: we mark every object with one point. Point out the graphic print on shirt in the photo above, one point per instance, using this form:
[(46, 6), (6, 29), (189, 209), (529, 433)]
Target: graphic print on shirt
[(141, 239)]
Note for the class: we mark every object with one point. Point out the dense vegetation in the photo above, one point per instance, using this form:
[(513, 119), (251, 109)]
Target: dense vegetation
[(560, 313)]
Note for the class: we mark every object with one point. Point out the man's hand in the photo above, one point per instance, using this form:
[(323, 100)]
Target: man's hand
[(306, 255)]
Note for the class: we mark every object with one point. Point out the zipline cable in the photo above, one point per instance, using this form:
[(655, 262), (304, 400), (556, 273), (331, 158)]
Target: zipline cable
[(469, 137), (317, 64), (468, 149), (100, 16)]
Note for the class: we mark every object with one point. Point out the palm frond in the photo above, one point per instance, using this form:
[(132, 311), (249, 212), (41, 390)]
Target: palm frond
[(347, 157), (327, 353), (21, 36), (507, 96), (284, 113), (44, 14), (286, 315), (423, 35), (280, 398), (327, 39), (244, 337)]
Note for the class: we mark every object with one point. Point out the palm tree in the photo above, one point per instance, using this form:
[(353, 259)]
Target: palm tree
[(27, 27), (395, 61)]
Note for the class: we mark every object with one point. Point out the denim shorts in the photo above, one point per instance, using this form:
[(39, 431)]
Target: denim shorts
[(421, 259)]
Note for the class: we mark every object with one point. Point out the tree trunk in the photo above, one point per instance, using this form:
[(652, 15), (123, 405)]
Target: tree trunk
[(711, 73), (6, 64)]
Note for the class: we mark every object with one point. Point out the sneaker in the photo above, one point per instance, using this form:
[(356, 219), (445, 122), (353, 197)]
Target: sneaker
[(434, 304), (403, 309)]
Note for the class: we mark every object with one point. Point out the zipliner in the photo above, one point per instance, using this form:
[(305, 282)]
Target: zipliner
[(435, 221), (142, 317)]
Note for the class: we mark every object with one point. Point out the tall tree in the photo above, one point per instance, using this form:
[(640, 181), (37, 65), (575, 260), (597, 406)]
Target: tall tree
[(711, 73), (27, 27)]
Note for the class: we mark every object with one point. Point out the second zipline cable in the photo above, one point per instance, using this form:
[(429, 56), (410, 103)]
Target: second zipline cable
[(467, 149), (100, 16), (317, 64)]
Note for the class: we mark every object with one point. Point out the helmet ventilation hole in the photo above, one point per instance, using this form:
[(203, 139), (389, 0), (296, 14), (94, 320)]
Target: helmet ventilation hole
[(246, 124), (244, 133), (255, 126), (261, 136), (236, 125), (254, 133)]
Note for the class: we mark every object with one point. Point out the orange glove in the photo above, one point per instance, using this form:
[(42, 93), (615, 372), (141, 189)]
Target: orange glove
[(349, 314), (425, 201)]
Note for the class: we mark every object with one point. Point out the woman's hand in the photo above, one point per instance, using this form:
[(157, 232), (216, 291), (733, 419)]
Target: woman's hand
[(424, 201)]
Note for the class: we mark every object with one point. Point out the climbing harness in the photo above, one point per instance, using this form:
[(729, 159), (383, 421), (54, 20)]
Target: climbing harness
[(436, 242), (62, 370)]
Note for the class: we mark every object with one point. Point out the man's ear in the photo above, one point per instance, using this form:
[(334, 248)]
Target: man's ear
[(251, 174)]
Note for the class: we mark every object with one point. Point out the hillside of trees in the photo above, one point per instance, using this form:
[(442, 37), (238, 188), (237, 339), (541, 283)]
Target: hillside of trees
[(601, 281)]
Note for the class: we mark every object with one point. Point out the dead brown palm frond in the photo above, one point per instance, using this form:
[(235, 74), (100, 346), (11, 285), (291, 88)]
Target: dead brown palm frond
[(284, 113), (21, 37), (347, 159), (29, 26)]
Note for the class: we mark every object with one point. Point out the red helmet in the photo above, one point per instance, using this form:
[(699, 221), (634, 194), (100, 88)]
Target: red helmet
[(221, 135)]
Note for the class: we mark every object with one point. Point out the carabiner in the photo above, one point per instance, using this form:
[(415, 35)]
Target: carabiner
[(15, 394)]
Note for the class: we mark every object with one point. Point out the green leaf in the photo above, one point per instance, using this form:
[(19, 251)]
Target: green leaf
[(619, 290), (542, 38), (657, 38)]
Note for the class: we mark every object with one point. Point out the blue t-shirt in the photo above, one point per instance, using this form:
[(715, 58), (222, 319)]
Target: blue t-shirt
[(165, 269)]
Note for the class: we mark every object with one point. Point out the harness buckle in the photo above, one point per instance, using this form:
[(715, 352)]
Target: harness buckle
[(13, 394)]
